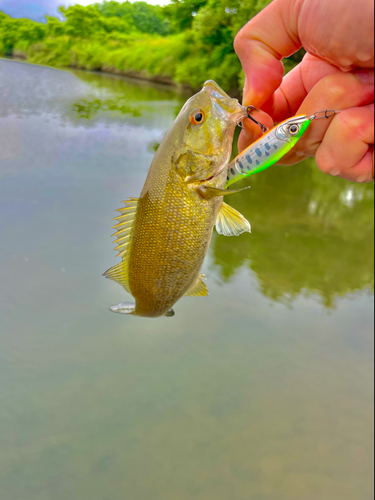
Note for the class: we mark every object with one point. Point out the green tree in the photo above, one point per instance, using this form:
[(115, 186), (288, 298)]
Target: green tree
[(82, 22), (14, 30), (141, 16), (186, 41), (55, 27), (181, 13)]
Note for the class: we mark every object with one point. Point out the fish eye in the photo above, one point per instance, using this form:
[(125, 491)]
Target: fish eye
[(197, 117), (294, 129)]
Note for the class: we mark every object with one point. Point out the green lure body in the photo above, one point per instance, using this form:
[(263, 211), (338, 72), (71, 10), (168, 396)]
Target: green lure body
[(267, 150)]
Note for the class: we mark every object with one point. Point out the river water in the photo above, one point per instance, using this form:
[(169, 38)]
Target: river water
[(262, 391)]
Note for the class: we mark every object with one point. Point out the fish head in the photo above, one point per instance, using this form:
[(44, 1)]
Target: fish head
[(209, 119)]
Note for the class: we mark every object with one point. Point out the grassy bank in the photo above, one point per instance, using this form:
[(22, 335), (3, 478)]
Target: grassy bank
[(185, 43), (176, 59)]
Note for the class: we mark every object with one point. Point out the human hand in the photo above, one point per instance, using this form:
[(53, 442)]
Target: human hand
[(336, 73)]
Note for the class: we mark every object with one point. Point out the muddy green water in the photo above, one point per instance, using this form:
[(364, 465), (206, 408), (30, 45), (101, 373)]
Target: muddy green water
[(262, 391)]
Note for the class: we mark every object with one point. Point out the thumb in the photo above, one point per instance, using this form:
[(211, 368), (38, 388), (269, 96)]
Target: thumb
[(261, 45)]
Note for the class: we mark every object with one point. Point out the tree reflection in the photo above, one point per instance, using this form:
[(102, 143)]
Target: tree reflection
[(123, 96), (312, 234), (88, 109), (133, 89)]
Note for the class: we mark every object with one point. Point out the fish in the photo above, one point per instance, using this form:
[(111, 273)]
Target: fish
[(163, 235)]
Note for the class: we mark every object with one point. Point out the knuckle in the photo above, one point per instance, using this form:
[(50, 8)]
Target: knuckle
[(333, 88), (353, 123), (239, 40)]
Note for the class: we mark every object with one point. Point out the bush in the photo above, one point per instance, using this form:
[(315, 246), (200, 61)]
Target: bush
[(131, 38)]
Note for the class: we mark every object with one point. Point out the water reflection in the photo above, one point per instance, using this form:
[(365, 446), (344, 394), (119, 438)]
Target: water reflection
[(133, 90), (312, 234), (120, 95), (230, 399), (89, 109), (84, 98)]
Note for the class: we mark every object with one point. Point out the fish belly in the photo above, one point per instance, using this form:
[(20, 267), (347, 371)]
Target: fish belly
[(171, 237)]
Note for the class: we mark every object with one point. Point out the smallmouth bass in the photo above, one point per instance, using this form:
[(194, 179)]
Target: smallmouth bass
[(163, 236)]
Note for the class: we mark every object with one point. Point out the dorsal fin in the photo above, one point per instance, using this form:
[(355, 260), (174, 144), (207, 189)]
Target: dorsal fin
[(124, 228), (230, 222), (125, 225), (199, 289)]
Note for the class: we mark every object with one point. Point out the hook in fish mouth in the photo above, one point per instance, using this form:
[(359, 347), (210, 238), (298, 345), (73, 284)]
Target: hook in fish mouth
[(249, 110)]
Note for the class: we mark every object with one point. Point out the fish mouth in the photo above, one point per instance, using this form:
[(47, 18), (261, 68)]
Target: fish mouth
[(222, 99)]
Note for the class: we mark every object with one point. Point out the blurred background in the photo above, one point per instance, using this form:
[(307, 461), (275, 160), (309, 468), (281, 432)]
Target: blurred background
[(181, 41), (261, 391)]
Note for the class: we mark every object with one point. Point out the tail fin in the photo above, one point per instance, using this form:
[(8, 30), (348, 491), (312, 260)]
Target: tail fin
[(129, 308), (123, 308)]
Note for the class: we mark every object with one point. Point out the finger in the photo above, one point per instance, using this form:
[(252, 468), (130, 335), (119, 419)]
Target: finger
[(261, 45), (348, 146), (283, 27), (340, 91), (296, 85)]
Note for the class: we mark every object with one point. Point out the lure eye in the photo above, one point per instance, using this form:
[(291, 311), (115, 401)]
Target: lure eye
[(197, 117), (294, 129)]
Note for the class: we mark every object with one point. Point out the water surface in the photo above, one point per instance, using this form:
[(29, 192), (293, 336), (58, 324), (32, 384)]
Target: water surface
[(262, 391)]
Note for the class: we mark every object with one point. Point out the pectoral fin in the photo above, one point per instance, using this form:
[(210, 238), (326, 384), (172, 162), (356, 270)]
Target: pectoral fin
[(199, 289), (231, 223), (209, 192)]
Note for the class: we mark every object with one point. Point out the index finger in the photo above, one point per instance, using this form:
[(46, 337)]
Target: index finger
[(262, 44)]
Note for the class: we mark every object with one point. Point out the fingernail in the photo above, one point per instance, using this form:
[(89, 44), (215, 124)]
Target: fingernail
[(335, 172), (366, 77), (362, 179)]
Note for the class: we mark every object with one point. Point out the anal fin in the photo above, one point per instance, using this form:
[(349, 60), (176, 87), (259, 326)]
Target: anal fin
[(230, 222), (199, 289), (119, 273)]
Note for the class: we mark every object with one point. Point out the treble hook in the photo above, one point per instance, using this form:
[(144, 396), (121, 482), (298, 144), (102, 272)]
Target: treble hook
[(251, 109), (239, 123), (328, 113)]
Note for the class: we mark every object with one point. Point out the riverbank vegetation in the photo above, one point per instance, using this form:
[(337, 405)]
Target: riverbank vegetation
[(185, 42)]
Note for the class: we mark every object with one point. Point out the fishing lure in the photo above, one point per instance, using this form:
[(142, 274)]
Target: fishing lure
[(272, 146)]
